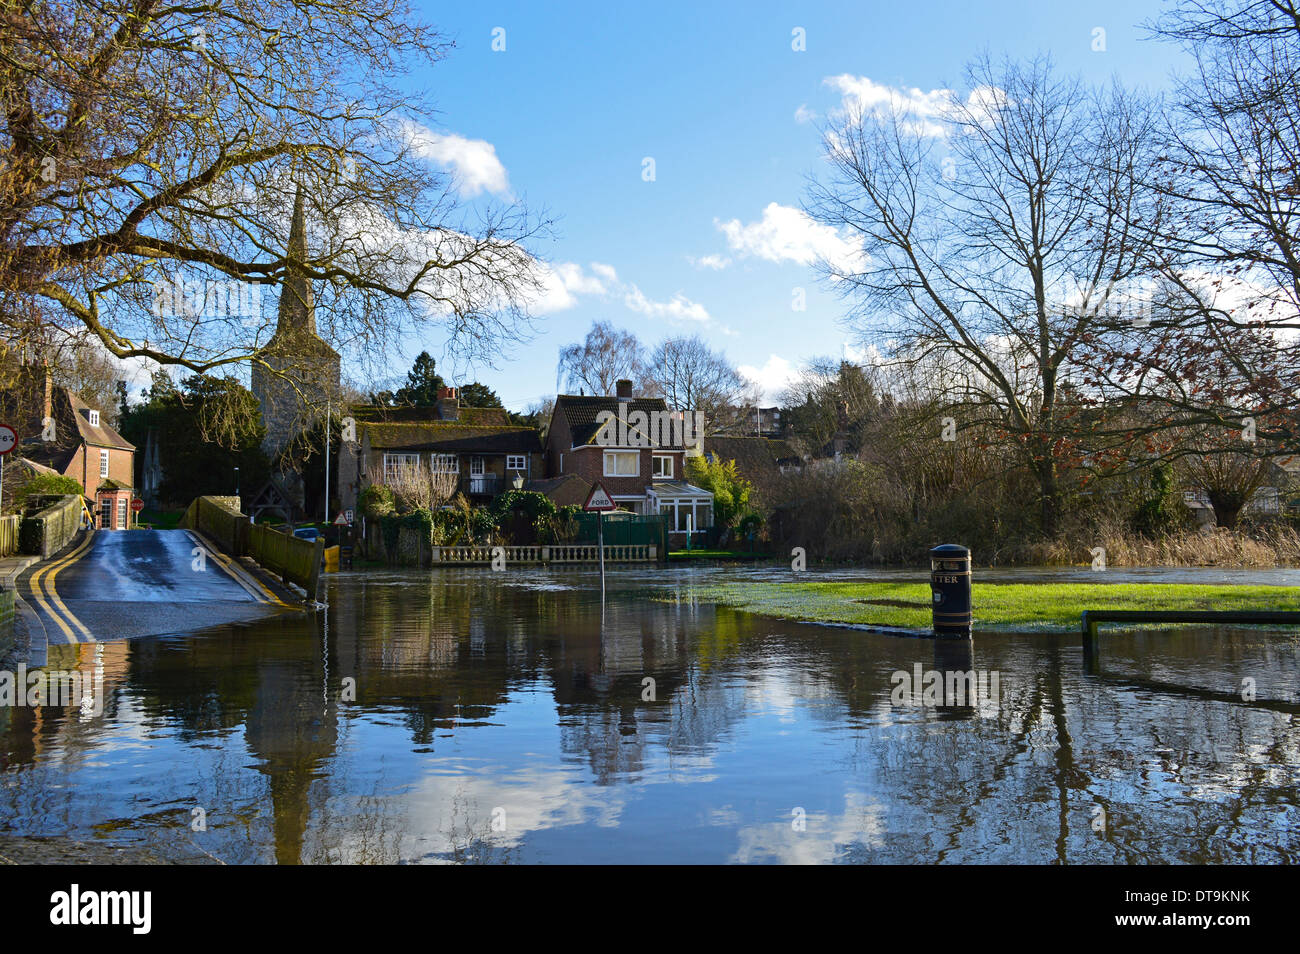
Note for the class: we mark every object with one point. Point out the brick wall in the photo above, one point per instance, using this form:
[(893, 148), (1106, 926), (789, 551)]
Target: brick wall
[(589, 462), (84, 467)]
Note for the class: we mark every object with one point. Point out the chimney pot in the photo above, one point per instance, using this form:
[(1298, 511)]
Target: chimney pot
[(623, 387)]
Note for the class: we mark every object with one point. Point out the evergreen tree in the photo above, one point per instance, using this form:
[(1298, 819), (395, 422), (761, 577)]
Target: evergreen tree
[(422, 384), (478, 395)]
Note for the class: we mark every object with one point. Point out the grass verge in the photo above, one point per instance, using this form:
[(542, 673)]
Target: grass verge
[(1018, 607)]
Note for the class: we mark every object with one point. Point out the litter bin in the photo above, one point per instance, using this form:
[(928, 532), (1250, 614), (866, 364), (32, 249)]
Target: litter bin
[(950, 586)]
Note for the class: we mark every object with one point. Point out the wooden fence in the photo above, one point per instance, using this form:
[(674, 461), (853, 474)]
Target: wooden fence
[(9, 534), (558, 553)]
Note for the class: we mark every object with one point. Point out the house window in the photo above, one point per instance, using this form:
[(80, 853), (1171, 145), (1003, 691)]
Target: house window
[(103, 463), (94, 418), (516, 462), (476, 466), (121, 512), (662, 467), (622, 463), (395, 465), (444, 463)]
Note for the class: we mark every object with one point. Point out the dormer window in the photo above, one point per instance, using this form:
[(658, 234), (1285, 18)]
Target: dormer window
[(94, 418)]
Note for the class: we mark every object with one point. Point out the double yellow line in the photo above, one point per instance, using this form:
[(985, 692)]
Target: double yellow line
[(251, 584), (44, 579)]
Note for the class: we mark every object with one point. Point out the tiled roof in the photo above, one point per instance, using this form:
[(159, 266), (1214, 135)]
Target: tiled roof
[(100, 435), (72, 428), (476, 416), (453, 437), (580, 412)]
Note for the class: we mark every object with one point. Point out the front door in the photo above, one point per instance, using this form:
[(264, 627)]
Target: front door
[(106, 513)]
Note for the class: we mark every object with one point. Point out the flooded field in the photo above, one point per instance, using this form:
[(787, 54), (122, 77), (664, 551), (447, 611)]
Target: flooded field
[(469, 716)]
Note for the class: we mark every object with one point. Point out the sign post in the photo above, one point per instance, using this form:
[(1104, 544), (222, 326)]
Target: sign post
[(8, 441), (598, 501)]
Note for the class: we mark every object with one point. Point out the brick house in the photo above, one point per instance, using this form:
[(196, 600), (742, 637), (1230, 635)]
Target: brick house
[(636, 447), (477, 445), (59, 430)]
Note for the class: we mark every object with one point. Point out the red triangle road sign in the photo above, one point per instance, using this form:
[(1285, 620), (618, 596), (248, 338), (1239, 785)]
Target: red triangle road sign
[(598, 499)]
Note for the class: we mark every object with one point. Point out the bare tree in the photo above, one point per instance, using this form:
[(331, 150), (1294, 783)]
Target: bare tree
[(998, 255), (1230, 256), (151, 154), (1228, 478), (690, 375), (605, 356), (420, 487)]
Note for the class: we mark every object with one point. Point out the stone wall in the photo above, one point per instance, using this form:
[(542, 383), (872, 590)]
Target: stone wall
[(50, 525)]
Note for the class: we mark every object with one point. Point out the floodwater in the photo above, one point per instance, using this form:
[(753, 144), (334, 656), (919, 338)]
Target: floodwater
[(471, 716)]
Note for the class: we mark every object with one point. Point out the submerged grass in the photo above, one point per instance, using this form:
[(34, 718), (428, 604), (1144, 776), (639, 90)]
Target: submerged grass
[(1019, 607)]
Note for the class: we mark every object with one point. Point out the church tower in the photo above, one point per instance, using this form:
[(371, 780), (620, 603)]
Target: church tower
[(297, 372)]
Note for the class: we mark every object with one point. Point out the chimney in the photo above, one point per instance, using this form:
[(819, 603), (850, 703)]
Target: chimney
[(448, 404), (623, 388)]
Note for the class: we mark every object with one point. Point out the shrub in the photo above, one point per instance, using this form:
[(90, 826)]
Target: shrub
[(524, 515), (39, 485), (730, 491), (377, 501)]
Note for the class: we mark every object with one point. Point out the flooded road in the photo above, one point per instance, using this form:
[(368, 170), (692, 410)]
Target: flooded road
[(469, 716)]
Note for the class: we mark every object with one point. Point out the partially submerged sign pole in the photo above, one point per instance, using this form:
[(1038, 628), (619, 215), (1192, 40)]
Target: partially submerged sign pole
[(598, 501)]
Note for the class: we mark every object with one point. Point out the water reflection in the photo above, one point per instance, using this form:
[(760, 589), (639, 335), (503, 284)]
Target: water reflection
[(473, 717)]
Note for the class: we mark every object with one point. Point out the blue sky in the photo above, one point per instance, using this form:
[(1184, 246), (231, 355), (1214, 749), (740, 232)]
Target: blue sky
[(583, 93)]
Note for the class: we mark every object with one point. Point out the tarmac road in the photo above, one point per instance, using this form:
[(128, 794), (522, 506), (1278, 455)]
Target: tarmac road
[(128, 583)]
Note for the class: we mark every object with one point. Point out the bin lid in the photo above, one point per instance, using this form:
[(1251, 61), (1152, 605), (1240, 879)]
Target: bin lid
[(949, 550)]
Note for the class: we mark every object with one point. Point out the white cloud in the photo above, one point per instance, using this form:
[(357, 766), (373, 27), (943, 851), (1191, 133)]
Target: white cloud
[(867, 357), (803, 114), (926, 112), (772, 378), (605, 271), (577, 281), (473, 162), (787, 234), (679, 307), (714, 262), (563, 282)]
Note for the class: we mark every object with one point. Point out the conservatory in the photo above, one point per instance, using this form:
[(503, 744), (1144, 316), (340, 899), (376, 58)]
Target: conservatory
[(689, 509)]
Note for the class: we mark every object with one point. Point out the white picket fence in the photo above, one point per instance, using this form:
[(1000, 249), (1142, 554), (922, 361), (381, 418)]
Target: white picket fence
[(562, 553)]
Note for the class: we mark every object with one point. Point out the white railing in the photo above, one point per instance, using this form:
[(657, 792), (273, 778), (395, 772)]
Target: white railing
[(559, 553)]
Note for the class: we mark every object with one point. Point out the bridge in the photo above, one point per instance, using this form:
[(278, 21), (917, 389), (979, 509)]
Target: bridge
[(119, 585)]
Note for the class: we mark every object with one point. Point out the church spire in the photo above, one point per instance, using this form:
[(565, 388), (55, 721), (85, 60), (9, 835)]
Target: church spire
[(297, 307)]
